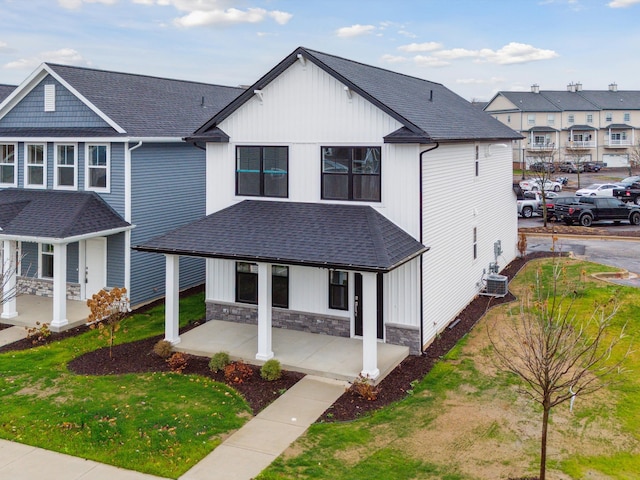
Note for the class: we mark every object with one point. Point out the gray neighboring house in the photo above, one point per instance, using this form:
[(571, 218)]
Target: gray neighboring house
[(92, 162)]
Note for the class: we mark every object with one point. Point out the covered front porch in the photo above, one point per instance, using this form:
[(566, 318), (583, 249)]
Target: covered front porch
[(35, 308), (313, 354)]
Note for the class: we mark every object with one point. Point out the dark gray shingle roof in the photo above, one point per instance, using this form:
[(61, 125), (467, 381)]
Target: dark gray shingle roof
[(353, 237), (5, 91), (429, 110), (55, 214), (145, 105), (529, 102), (609, 100)]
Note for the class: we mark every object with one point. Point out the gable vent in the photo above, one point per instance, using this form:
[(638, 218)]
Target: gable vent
[(50, 98)]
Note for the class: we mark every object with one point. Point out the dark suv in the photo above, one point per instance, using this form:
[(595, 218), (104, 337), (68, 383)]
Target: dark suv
[(542, 167), (591, 167), (571, 167)]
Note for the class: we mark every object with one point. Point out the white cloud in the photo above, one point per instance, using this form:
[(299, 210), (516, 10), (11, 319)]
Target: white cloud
[(509, 54), (75, 4), (393, 59), (67, 56), (429, 61), (622, 3), (355, 30), (407, 34), (421, 47)]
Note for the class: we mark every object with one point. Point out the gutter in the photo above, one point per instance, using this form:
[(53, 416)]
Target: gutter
[(421, 241), (63, 240)]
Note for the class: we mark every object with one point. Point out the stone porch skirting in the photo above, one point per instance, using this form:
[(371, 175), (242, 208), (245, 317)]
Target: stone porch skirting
[(44, 287)]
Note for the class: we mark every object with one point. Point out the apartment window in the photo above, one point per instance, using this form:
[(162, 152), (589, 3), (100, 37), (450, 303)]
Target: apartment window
[(570, 118), (508, 118), (627, 117), (65, 161), (589, 117), (247, 284), (608, 117), (262, 171), (35, 170), (351, 173), (46, 260), (551, 119), (8, 165), (531, 119), (338, 290), (97, 167), (475, 243)]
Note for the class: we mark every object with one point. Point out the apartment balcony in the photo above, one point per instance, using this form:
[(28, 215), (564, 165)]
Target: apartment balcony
[(541, 147), (580, 145), (617, 143)]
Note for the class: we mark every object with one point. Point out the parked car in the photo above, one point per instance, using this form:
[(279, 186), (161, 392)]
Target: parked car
[(571, 167), (542, 167), (628, 193), (535, 184), (552, 202), (593, 209), (592, 166), (598, 190), (626, 182)]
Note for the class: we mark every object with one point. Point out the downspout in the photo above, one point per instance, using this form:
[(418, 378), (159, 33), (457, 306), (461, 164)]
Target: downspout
[(128, 217), (421, 256)]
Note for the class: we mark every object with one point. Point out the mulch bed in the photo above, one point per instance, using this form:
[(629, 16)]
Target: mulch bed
[(138, 357)]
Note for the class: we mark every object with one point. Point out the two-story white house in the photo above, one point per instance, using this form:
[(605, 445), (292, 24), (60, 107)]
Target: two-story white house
[(348, 200)]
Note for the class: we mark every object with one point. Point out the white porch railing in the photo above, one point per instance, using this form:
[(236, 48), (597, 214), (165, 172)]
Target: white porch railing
[(617, 143), (581, 144)]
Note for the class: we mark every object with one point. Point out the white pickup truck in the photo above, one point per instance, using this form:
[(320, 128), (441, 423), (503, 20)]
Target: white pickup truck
[(528, 203)]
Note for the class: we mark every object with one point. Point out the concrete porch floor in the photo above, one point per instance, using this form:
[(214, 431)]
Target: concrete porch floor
[(322, 355), (34, 308)]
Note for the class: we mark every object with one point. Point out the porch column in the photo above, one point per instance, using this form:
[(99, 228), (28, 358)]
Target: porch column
[(264, 312), (369, 326), (59, 286), (172, 298), (9, 274)]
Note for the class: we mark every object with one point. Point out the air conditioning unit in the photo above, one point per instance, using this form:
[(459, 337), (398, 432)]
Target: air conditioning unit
[(497, 285)]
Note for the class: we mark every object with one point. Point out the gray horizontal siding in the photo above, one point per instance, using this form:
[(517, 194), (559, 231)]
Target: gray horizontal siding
[(168, 191), (72, 262), (115, 260)]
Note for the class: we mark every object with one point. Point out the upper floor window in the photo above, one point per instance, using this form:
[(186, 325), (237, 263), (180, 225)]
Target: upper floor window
[(36, 166), (531, 119), (351, 173), (64, 175), (589, 117), (8, 168), (97, 169), (570, 118), (608, 117), (627, 117), (262, 171), (551, 119), (247, 284)]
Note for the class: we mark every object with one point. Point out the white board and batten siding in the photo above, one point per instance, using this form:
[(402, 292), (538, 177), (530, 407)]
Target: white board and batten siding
[(306, 109), (455, 201)]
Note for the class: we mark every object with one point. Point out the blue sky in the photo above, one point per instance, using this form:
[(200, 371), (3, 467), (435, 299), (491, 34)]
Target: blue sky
[(474, 47)]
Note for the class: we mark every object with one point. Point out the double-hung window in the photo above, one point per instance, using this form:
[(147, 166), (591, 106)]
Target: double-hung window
[(8, 168), (262, 171), (247, 284), (36, 166), (627, 117), (46, 260), (97, 170), (351, 173), (64, 175), (338, 290)]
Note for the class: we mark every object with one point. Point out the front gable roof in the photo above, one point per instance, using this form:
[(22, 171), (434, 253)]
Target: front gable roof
[(133, 105), (349, 237), (428, 111)]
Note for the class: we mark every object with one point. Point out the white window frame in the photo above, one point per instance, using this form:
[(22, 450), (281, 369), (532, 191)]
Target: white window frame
[(56, 185), (627, 117), (608, 117), (588, 117), (27, 164), (531, 119), (571, 118), (551, 119), (88, 167), (41, 253), (14, 165)]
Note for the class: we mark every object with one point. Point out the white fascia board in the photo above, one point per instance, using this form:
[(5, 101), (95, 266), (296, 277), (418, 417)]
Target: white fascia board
[(65, 240), (22, 90)]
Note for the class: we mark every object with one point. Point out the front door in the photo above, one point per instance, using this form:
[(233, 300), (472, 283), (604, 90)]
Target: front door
[(357, 305), (96, 265)]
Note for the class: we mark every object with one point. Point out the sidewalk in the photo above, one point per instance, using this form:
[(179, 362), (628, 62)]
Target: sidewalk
[(242, 456)]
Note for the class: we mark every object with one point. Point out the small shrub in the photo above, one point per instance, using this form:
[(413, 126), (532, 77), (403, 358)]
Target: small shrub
[(219, 361), (39, 333), (364, 387), (271, 370), (163, 348), (177, 362), (237, 372)]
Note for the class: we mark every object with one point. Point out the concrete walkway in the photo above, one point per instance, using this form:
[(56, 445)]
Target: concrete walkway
[(242, 456)]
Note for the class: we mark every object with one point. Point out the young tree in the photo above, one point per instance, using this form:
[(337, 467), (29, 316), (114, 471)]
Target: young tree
[(9, 288), (634, 157), (579, 157), (108, 309), (557, 355), (543, 175)]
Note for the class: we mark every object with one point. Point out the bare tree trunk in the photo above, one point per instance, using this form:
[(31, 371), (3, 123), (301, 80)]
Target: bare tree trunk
[(543, 442)]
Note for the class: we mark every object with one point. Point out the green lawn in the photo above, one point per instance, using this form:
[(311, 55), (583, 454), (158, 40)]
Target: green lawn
[(158, 423), (467, 420)]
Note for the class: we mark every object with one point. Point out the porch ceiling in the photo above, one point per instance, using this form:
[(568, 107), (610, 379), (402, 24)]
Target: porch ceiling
[(55, 215), (350, 237)]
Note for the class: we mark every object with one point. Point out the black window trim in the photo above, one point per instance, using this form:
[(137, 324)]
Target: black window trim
[(262, 174), (350, 175), (344, 288), (237, 280)]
